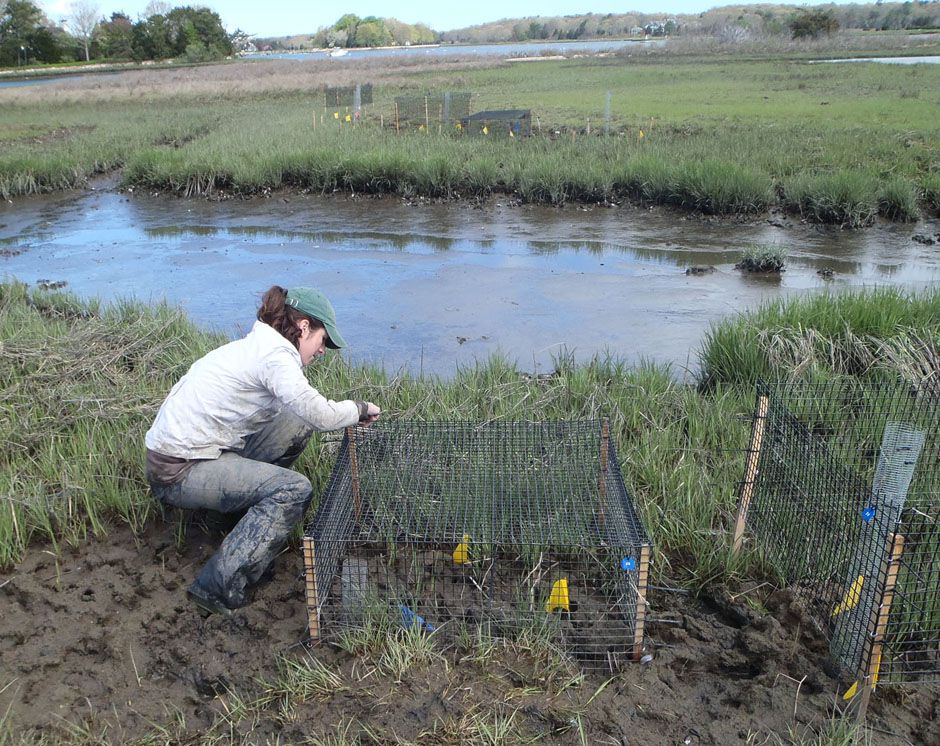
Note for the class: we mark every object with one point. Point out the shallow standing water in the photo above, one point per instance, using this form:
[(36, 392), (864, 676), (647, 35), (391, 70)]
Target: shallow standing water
[(429, 287)]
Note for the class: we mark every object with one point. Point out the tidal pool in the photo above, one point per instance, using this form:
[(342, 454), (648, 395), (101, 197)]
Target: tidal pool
[(430, 287)]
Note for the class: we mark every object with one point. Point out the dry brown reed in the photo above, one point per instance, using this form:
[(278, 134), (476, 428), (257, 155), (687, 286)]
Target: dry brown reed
[(248, 77)]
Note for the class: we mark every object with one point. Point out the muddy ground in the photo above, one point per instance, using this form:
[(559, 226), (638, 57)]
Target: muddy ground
[(99, 641)]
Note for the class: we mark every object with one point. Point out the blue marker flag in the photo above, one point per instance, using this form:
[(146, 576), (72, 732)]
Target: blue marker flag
[(628, 564)]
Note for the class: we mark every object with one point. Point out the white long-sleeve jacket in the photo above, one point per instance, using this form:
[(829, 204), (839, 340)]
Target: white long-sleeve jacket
[(235, 390)]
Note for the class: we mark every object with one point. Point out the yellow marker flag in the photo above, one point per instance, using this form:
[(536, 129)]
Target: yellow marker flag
[(641, 135), (335, 115), (853, 690), (462, 552), (485, 130), (852, 596), (510, 133), (559, 597), (348, 118)]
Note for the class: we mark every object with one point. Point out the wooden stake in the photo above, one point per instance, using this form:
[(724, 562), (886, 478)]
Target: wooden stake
[(313, 601), (354, 472), (602, 476), (750, 471), (643, 574), (397, 121), (427, 116), (880, 626)]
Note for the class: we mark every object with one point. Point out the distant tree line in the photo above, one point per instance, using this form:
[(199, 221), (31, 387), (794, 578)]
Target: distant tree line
[(28, 36), (735, 20)]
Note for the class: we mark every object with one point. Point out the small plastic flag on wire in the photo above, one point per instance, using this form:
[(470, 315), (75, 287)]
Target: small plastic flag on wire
[(559, 597), (852, 595), (462, 552)]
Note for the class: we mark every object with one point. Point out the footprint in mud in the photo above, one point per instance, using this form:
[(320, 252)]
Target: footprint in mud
[(207, 684)]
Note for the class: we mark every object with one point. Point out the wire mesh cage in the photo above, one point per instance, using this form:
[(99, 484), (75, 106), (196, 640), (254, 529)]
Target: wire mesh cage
[(446, 108), (843, 497), (503, 527), (354, 96), (505, 122)]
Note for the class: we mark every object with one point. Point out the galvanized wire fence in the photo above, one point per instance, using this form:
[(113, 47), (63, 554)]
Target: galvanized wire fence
[(843, 498), (505, 526), (444, 109)]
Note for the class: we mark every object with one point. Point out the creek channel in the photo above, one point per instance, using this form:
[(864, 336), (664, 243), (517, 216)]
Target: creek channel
[(429, 287)]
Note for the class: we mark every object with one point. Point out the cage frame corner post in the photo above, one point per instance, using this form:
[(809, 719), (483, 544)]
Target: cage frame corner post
[(749, 484), (642, 605), (872, 659), (311, 591), (354, 473)]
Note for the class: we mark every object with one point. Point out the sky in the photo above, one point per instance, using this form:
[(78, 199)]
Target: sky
[(286, 17)]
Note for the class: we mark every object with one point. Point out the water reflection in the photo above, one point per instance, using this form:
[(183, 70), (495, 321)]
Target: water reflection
[(429, 287)]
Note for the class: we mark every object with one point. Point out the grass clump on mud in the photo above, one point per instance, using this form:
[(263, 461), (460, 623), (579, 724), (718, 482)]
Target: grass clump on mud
[(762, 258), (839, 143)]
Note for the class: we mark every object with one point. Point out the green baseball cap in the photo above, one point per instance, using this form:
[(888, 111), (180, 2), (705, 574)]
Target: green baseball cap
[(316, 306)]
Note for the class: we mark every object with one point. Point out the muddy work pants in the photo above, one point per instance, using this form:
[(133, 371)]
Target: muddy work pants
[(257, 481)]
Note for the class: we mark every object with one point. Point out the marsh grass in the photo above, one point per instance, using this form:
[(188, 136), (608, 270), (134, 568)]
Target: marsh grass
[(844, 198), (734, 136), (875, 334), (898, 201), (81, 384), (762, 258)]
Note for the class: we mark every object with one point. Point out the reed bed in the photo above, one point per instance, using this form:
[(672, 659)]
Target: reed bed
[(836, 143)]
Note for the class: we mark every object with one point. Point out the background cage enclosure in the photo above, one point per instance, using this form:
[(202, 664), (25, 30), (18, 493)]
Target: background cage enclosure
[(445, 108), (842, 493), (504, 527)]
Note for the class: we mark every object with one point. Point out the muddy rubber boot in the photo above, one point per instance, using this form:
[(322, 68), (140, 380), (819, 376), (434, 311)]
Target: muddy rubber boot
[(206, 602)]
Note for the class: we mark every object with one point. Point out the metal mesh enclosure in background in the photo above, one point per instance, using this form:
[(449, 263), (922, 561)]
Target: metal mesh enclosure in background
[(347, 96), (845, 502), (504, 526), (502, 122), (447, 108)]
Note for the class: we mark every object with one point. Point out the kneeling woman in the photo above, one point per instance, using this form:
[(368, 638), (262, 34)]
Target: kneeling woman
[(230, 428)]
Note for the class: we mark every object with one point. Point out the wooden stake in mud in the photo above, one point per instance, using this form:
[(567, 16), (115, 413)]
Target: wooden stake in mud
[(643, 574), (397, 121), (880, 625), (313, 601), (354, 472), (750, 471), (602, 476), (427, 116)]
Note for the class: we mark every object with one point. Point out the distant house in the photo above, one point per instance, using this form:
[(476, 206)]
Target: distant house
[(636, 31)]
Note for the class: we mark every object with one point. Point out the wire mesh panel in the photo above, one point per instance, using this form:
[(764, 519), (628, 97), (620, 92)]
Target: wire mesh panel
[(447, 108), (845, 506), (506, 123), (505, 526)]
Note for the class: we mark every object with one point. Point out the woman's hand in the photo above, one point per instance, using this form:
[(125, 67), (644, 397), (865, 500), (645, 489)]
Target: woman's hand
[(371, 415)]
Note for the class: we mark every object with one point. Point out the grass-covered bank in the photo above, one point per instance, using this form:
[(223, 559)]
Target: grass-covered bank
[(877, 335), (834, 143), (80, 385)]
